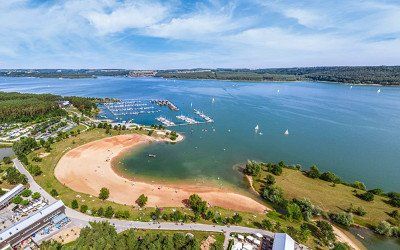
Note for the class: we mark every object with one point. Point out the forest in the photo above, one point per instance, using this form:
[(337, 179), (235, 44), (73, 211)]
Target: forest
[(383, 75), (20, 107)]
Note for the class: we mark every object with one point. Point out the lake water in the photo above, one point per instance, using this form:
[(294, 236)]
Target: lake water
[(352, 131)]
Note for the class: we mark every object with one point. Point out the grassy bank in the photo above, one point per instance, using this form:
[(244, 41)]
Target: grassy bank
[(329, 197)]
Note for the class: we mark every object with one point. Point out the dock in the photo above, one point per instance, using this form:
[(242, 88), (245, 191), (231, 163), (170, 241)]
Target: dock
[(167, 103), (130, 107), (204, 116), (187, 119), (165, 121)]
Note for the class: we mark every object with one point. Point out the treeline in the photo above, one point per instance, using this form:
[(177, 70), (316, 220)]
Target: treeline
[(21, 107), (63, 73), (102, 235), (384, 75)]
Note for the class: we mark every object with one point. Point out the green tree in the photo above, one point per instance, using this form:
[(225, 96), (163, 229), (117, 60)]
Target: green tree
[(74, 204), (269, 180), (324, 232), (17, 200), (142, 200), (54, 192), (293, 211), (84, 208), (330, 177), (252, 168), (26, 193), (7, 160), (384, 228), (109, 212), (367, 196), (343, 218), (36, 195), (197, 204), (359, 185), (104, 193), (314, 172)]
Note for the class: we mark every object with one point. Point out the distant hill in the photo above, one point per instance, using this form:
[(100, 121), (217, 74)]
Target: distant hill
[(384, 75)]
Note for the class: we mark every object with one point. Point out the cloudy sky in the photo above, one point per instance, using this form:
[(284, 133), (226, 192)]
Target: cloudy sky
[(188, 34)]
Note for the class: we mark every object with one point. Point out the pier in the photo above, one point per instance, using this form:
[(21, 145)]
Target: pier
[(167, 103), (202, 115), (187, 119), (165, 121), (130, 107)]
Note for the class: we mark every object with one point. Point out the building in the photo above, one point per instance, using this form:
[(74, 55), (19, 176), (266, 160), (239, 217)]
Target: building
[(283, 241), (5, 199), (29, 226)]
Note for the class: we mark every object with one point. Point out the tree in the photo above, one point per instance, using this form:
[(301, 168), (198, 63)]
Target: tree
[(17, 200), (367, 196), (269, 180), (84, 208), (314, 172), (266, 224), (330, 177), (344, 219), (276, 169), (54, 192), (100, 212), (252, 168), (74, 204), (104, 193), (325, 232), (384, 228), (394, 199), (359, 185), (24, 202), (293, 211), (109, 212), (274, 195), (236, 218), (36, 195), (142, 200), (197, 204), (26, 193)]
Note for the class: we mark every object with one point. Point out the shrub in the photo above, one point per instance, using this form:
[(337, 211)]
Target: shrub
[(359, 185), (209, 215), (266, 224), (24, 202), (330, 177), (84, 208), (36, 195), (314, 172), (376, 191), (384, 228), (273, 194), (344, 219), (367, 196), (275, 169), (142, 200), (100, 212), (293, 211), (197, 204), (324, 232), (54, 192), (34, 170), (109, 212), (17, 199), (26, 193), (394, 199), (74, 204), (269, 180), (252, 168), (360, 211), (341, 246), (104, 193)]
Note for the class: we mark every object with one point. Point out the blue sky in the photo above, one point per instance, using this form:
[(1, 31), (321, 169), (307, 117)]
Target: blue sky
[(189, 34)]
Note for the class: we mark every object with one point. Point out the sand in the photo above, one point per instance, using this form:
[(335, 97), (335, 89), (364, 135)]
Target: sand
[(88, 168)]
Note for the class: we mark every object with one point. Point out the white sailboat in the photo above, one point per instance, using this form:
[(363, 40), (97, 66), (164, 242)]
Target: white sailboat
[(213, 100), (286, 132), (379, 91), (256, 128)]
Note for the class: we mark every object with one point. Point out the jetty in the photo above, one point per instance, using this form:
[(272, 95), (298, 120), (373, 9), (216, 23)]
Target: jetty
[(204, 116), (166, 103), (187, 119), (165, 121)]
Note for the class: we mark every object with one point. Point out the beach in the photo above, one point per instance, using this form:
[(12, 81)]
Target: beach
[(88, 168)]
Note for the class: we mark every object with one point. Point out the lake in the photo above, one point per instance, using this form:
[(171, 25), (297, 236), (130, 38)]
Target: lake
[(352, 131)]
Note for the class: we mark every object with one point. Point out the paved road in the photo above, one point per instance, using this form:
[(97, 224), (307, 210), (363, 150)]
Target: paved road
[(82, 220)]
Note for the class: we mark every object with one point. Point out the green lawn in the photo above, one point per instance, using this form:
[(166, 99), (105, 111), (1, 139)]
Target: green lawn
[(328, 197)]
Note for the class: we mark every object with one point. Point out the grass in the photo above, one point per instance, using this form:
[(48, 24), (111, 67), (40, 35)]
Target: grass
[(330, 198)]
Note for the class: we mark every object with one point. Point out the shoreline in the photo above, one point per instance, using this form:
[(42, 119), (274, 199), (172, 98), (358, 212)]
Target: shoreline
[(88, 168)]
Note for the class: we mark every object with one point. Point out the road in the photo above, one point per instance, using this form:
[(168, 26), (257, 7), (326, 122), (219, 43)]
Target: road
[(82, 220)]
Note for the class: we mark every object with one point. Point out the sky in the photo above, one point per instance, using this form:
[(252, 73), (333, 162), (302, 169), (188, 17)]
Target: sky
[(198, 34)]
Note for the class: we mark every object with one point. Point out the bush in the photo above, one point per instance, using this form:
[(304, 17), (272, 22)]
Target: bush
[(341, 246), (53, 192), (344, 219), (74, 204), (367, 196), (384, 228), (100, 212), (17, 200), (109, 212), (269, 180), (84, 208), (314, 172), (252, 168), (324, 232), (104, 193), (293, 211), (376, 191), (330, 177), (34, 170), (197, 204), (266, 224), (273, 194), (26, 193), (275, 169), (36, 195), (394, 199), (360, 211), (142, 200), (24, 202), (359, 185)]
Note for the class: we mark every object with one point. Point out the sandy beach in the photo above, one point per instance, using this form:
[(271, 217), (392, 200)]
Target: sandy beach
[(88, 168)]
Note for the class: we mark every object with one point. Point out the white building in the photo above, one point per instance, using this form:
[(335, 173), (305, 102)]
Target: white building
[(283, 241), (5, 199)]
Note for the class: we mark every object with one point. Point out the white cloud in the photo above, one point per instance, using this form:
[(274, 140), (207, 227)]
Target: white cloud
[(306, 17), (128, 16)]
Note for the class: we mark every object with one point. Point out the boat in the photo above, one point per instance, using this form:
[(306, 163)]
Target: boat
[(379, 91), (256, 128), (286, 132), (213, 100), (152, 155)]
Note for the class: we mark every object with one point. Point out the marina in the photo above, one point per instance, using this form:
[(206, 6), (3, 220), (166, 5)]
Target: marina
[(187, 119), (131, 107), (202, 115), (167, 103), (165, 121)]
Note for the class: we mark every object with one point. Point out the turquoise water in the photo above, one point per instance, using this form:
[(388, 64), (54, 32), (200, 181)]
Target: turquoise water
[(353, 132)]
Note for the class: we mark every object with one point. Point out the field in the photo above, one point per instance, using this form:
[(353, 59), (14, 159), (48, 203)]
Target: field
[(332, 198)]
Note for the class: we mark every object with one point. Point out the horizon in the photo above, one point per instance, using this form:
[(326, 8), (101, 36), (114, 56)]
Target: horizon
[(100, 34)]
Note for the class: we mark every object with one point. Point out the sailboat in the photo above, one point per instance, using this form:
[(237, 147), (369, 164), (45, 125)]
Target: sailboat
[(286, 132), (256, 128), (379, 91), (213, 100)]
